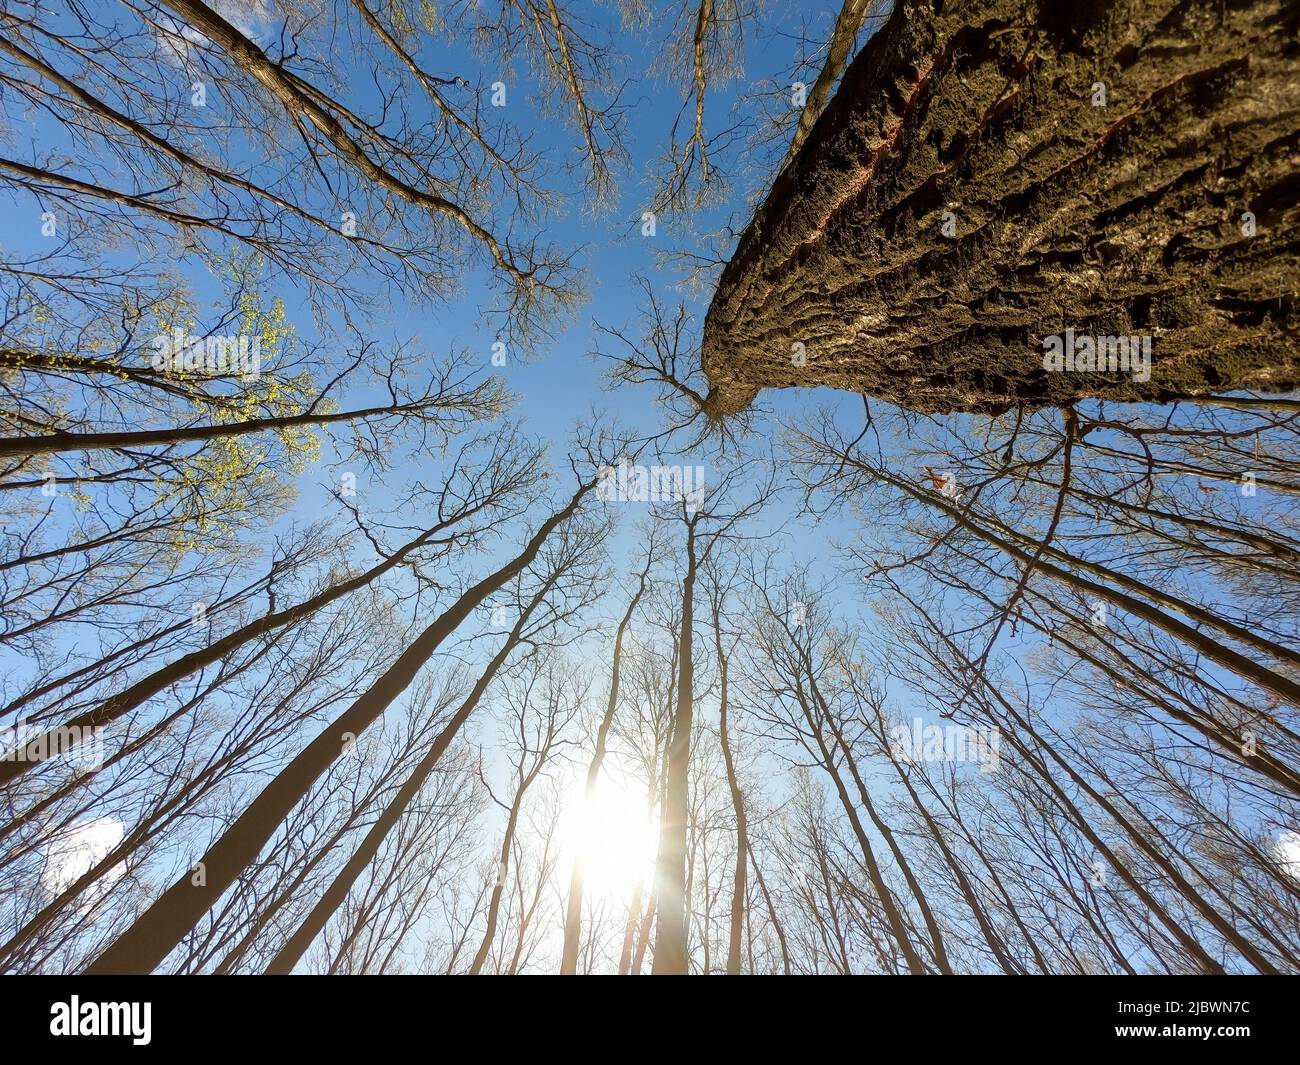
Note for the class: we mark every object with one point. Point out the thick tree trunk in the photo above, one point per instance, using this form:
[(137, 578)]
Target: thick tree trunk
[(968, 193), (160, 928), (333, 897)]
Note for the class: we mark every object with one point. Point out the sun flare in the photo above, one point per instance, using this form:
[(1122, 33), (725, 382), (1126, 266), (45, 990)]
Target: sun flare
[(611, 836)]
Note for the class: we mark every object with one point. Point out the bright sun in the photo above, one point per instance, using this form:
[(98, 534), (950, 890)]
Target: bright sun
[(612, 837)]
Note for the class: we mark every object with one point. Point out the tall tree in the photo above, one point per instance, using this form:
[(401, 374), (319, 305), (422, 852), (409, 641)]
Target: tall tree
[(573, 904), (157, 931)]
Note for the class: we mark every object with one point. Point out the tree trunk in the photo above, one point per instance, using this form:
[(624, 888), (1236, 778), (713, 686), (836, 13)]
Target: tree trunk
[(160, 928), (52, 443), (893, 915), (1139, 839), (670, 868), (119, 705), (990, 174), (329, 902), (738, 887), (1003, 539), (771, 906), (573, 910), (498, 889)]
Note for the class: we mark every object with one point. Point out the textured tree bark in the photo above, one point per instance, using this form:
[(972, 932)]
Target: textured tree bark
[(967, 194)]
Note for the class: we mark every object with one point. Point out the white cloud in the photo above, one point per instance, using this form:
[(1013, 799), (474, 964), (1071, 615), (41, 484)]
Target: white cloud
[(1286, 849), (74, 852)]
